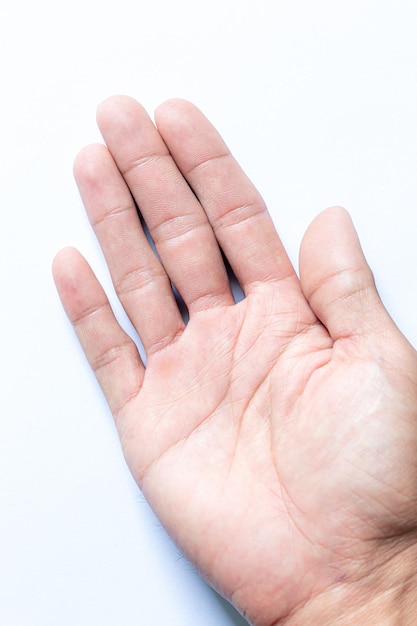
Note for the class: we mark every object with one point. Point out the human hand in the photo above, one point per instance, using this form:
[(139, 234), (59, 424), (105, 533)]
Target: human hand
[(275, 438)]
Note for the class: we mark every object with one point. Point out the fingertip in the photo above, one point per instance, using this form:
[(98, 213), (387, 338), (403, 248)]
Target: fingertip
[(65, 266), (116, 107), (88, 160), (332, 228), (335, 276), (173, 104), (172, 110), (64, 260), (328, 219), (114, 101), (76, 283)]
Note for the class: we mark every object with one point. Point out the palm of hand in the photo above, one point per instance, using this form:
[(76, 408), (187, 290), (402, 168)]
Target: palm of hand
[(256, 465), (253, 435)]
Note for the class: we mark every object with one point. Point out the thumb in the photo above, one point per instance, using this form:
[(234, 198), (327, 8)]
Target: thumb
[(336, 279)]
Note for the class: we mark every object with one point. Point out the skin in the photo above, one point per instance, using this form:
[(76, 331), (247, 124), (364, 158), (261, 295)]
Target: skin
[(275, 438)]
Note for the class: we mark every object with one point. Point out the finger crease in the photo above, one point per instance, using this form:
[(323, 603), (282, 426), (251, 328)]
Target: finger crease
[(146, 160), (89, 312), (239, 215), (113, 213), (176, 228), (207, 162), (109, 356), (138, 279)]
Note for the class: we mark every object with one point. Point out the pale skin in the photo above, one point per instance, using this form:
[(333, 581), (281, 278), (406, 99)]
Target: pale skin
[(275, 438)]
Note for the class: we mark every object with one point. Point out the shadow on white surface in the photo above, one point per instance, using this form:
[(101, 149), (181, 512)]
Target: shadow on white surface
[(232, 614)]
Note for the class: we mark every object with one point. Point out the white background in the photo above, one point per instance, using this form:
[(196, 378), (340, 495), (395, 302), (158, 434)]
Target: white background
[(318, 100)]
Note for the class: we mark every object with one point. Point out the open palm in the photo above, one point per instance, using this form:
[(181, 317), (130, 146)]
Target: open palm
[(275, 438)]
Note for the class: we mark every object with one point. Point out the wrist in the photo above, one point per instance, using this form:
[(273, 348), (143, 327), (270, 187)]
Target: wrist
[(387, 596)]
